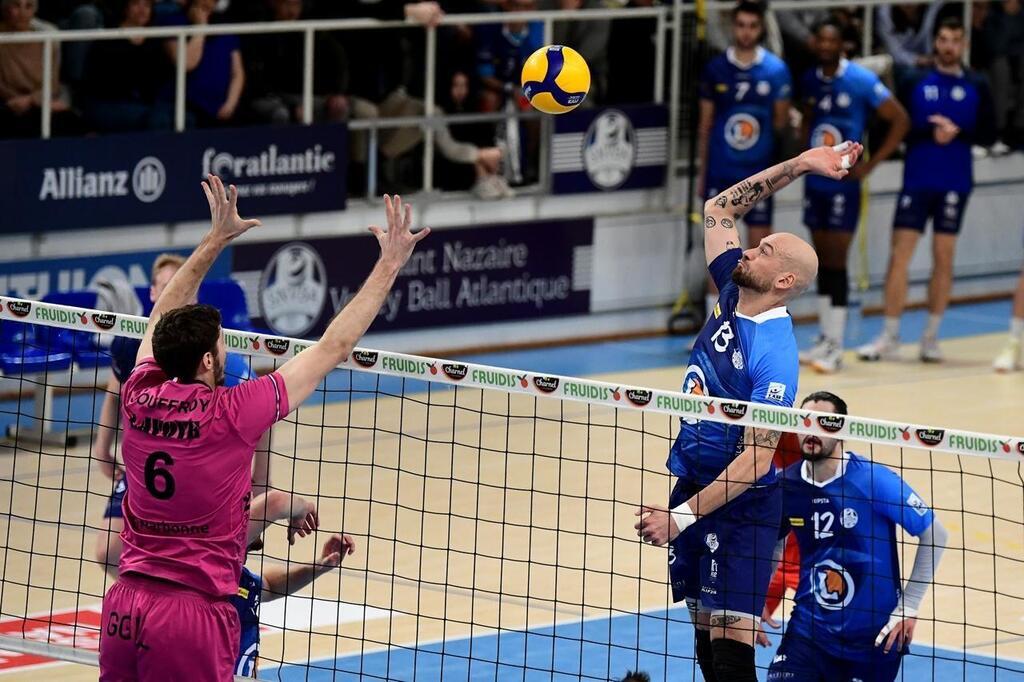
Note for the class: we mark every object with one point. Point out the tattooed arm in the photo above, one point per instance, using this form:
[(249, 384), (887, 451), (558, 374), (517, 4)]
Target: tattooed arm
[(722, 212)]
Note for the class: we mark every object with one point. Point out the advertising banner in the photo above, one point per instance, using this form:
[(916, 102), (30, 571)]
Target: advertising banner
[(456, 276), (602, 150), (147, 178)]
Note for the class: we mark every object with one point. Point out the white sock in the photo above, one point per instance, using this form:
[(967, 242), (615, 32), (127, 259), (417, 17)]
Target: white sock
[(931, 330), (1017, 327), (837, 326), (892, 327), (824, 314), (710, 301)]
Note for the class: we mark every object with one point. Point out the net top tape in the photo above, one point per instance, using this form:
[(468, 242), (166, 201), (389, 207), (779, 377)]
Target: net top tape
[(454, 373)]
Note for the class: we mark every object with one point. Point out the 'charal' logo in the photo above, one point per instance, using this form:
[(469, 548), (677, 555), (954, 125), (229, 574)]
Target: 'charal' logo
[(293, 289), (149, 179), (609, 149), (454, 371), (930, 437), (19, 308), (277, 346), (545, 384), (104, 320), (831, 423), (734, 410), (639, 396), (365, 358), (1020, 448)]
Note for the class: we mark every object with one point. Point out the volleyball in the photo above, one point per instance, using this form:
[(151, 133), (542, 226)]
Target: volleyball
[(556, 79)]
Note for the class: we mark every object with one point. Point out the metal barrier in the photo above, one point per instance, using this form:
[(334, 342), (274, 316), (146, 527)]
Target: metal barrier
[(669, 18)]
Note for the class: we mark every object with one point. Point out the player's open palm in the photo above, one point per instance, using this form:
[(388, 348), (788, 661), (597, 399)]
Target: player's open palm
[(398, 241), (832, 162), (225, 223), (337, 547)]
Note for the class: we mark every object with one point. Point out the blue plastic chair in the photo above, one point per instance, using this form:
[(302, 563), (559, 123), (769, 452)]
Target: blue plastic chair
[(84, 346)]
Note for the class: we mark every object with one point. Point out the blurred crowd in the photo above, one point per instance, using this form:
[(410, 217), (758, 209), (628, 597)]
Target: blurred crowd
[(254, 79)]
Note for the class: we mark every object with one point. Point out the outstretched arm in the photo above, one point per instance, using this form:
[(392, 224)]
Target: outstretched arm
[(280, 581), (225, 226), (722, 212), (304, 372), (277, 505)]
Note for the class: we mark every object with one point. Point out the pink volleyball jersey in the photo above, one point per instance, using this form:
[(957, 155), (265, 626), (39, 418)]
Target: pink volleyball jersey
[(188, 455)]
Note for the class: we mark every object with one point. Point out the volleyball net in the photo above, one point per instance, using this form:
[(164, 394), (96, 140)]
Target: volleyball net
[(492, 509)]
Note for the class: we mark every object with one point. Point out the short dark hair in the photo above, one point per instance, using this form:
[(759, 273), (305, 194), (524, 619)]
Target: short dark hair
[(636, 677), (749, 7), (827, 397), (951, 23), (183, 336), (828, 22)]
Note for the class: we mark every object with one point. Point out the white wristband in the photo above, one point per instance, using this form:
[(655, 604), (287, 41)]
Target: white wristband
[(842, 147), (683, 516)]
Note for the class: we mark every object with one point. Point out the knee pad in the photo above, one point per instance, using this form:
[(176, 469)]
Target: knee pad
[(705, 657), (734, 661)]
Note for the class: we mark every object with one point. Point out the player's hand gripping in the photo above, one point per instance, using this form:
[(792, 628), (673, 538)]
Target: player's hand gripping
[(336, 548), (398, 241), (304, 519), (945, 130), (656, 525), (899, 630), (225, 223), (832, 162)]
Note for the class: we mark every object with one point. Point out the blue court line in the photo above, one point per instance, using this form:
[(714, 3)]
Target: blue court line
[(599, 649)]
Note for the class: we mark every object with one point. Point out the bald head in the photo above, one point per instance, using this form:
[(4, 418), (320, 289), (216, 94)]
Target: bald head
[(798, 257)]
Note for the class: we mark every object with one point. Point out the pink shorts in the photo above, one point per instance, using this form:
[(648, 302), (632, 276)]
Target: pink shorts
[(157, 630)]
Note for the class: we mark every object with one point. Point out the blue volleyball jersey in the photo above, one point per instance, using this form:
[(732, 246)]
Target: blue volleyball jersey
[(735, 357), (840, 109), (123, 351), (247, 603), (929, 165), (849, 567), (742, 135)]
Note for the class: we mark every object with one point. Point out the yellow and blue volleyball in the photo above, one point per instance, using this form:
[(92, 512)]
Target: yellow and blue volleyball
[(556, 79)]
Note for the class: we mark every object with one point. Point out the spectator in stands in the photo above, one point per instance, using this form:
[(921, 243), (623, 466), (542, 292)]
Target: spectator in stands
[(905, 32), (798, 35), (216, 76), (123, 77), (501, 50), (21, 77), (273, 64), (1002, 34), (589, 38), (631, 42)]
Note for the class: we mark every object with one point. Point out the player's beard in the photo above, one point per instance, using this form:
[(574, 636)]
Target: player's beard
[(816, 454), (745, 279), (218, 371)]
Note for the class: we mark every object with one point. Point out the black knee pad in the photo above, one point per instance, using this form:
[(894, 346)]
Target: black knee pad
[(705, 657), (734, 661), (835, 284)]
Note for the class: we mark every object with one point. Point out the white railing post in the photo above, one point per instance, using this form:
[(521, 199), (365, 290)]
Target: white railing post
[(967, 34), (46, 105), (659, 57), (371, 163), (307, 76), (674, 104), (547, 126), (179, 84), (868, 42), (429, 96)]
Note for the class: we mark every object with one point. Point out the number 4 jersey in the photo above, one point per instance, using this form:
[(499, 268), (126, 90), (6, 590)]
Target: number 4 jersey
[(188, 456), (734, 357)]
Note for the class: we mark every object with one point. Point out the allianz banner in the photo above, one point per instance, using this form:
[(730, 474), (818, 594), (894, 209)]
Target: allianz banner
[(602, 150), (148, 178), (456, 276)]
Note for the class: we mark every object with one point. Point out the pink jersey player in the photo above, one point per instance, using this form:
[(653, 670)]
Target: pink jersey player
[(188, 450)]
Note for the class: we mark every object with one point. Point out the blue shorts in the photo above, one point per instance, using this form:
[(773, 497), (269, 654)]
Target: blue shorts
[(801, 660), (759, 215), (946, 210), (724, 560), (113, 510), (833, 210)]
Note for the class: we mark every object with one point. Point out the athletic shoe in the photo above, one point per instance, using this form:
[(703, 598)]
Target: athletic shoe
[(831, 361), (930, 350), (1000, 148), (1009, 357), (815, 352), (885, 347)]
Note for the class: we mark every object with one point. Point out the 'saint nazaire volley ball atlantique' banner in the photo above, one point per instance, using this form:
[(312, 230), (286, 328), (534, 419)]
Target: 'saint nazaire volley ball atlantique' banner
[(147, 178)]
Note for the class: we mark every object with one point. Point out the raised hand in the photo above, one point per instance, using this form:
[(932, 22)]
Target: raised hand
[(832, 162), (304, 520), (225, 223), (398, 241), (335, 550)]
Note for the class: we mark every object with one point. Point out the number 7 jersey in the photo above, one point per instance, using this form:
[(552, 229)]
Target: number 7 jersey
[(188, 454)]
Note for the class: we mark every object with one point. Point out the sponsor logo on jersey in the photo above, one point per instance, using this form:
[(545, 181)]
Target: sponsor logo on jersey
[(843, 100), (957, 93), (714, 569), (796, 522), (718, 311), (742, 131), (711, 540), (545, 384), (454, 371), (737, 359), (832, 585), (906, 200), (850, 517), (277, 346), (104, 320), (917, 504), (826, 134), (365, 358), (638, 396), (763, 88), (831, 423), (776, 391), (930, 437), (734, 410)]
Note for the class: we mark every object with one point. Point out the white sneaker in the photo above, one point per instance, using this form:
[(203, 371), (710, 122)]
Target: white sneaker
[(1000, 148), (930, 350), (815, 352), (1009, 358), (979, 152), (885, 347), (831, 361)]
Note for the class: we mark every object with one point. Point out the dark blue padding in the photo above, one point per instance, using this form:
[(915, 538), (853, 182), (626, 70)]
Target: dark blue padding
[(83, 346), (227, 296), (21, 353)]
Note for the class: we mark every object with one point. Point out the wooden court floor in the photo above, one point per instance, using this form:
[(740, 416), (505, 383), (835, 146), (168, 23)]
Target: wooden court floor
[(478, 511)]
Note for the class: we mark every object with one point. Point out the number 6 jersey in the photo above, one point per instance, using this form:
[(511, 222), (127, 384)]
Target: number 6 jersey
[(735, 357), (188, 454)]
